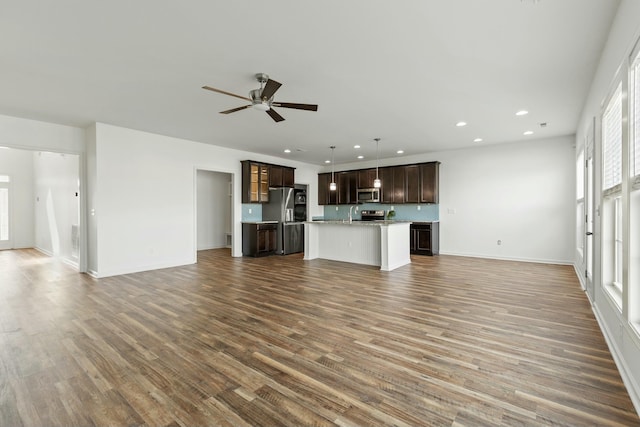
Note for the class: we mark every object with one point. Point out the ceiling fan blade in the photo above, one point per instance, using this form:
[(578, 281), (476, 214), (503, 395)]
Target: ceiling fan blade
[(309, 107), (225, 93), (275, 116), (233, 110), (270, 88)]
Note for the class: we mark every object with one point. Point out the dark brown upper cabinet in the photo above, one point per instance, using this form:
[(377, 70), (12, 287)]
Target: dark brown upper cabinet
[(366, 178), (326, 196), (429, 182), (347, 187), (400, 184), (399, 180), (412, 187), (281, 176), (387, 190), (255, 182), (393, 184)]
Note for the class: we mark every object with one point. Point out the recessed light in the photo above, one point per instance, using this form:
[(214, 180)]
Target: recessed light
[(356, 146), (327, 161), (529, 132), (400, 152), (361, 157), (522, 113), (287, 150), (461, 124), (477, 140)]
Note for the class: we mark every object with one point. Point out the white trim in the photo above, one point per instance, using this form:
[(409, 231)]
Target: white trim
[(633, 388), (507, 258)]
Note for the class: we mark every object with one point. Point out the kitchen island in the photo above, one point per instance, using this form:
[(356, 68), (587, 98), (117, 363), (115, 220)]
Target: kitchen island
[(380, 243)]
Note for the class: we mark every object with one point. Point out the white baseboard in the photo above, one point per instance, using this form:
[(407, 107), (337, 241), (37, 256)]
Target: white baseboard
[(508, 258), (633, 388)]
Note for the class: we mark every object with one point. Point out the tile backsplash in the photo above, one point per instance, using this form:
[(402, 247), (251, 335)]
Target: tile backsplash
[(406, 212), (251, 212)]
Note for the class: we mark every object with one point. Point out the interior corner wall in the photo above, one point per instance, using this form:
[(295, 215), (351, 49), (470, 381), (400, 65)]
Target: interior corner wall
[(18, 164), (521, 193), (214, 209), (144, 207), (509, 201)]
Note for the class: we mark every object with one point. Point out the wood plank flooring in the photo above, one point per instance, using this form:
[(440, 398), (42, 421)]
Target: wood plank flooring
[(445, 341)]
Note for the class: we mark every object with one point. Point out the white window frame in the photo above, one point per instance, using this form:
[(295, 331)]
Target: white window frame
[(614, 205), (632, 246)]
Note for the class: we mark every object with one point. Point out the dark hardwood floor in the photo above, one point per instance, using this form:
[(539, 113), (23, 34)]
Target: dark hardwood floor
[(445, 341)]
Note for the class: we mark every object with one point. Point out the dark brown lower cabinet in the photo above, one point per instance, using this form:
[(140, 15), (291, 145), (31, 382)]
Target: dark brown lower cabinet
[(259, 239), (425, 238)]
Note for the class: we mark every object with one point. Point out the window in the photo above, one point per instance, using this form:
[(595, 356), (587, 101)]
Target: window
[(612, 141), (635, 119), (617, 243), (633, 212)]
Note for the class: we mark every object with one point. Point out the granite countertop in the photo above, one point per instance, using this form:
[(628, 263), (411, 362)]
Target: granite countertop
[(259, 222), (359, 222)]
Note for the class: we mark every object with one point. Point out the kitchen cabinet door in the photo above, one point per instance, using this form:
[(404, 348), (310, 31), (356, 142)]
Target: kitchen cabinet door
[(429, 182), (387, 193), (326, 196), (281, 176), (366, 178), (424, 238), (288, 177), (275, 176), (398, 184), (347, 188), (255, 182), (259, 239), (412, 187)]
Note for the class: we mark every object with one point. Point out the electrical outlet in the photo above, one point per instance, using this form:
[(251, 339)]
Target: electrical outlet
[(499, 242), (392, 208), (250, 210), (418, 207), (336, 209)]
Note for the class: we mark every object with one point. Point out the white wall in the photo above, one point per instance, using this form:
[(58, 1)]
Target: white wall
[(56, 178), (18, 164), (145, 199), (622, 339), (36, 135), (520, 193), (213, 201)]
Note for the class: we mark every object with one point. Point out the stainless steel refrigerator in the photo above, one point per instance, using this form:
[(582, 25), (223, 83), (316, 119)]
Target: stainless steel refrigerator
[(290, 237)]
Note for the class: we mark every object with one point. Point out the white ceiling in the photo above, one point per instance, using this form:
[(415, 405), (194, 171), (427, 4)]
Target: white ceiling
[(405, 71)]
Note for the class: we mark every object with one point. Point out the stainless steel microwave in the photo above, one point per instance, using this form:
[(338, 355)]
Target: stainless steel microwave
[(368, 195)]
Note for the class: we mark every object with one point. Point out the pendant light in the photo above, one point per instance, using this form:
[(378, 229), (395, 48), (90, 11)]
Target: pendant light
[(332, 185), (376, 182)]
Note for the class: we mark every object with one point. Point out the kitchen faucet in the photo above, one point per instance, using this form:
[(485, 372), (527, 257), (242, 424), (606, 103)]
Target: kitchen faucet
[(350, 215)]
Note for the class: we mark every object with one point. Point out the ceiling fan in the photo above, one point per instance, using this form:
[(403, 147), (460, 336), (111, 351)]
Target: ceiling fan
[(262, 98)]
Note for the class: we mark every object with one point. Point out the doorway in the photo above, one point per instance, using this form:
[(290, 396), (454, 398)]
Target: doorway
[(5, 211), (214, 225), (40, 203)]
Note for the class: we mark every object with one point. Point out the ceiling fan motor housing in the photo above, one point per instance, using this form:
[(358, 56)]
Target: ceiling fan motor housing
[(258, 103)]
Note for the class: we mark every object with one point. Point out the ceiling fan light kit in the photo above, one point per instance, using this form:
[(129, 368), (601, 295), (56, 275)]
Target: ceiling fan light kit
[(262, 98)]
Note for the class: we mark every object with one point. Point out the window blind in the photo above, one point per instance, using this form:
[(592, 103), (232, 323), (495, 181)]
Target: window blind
[(612, 141)]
